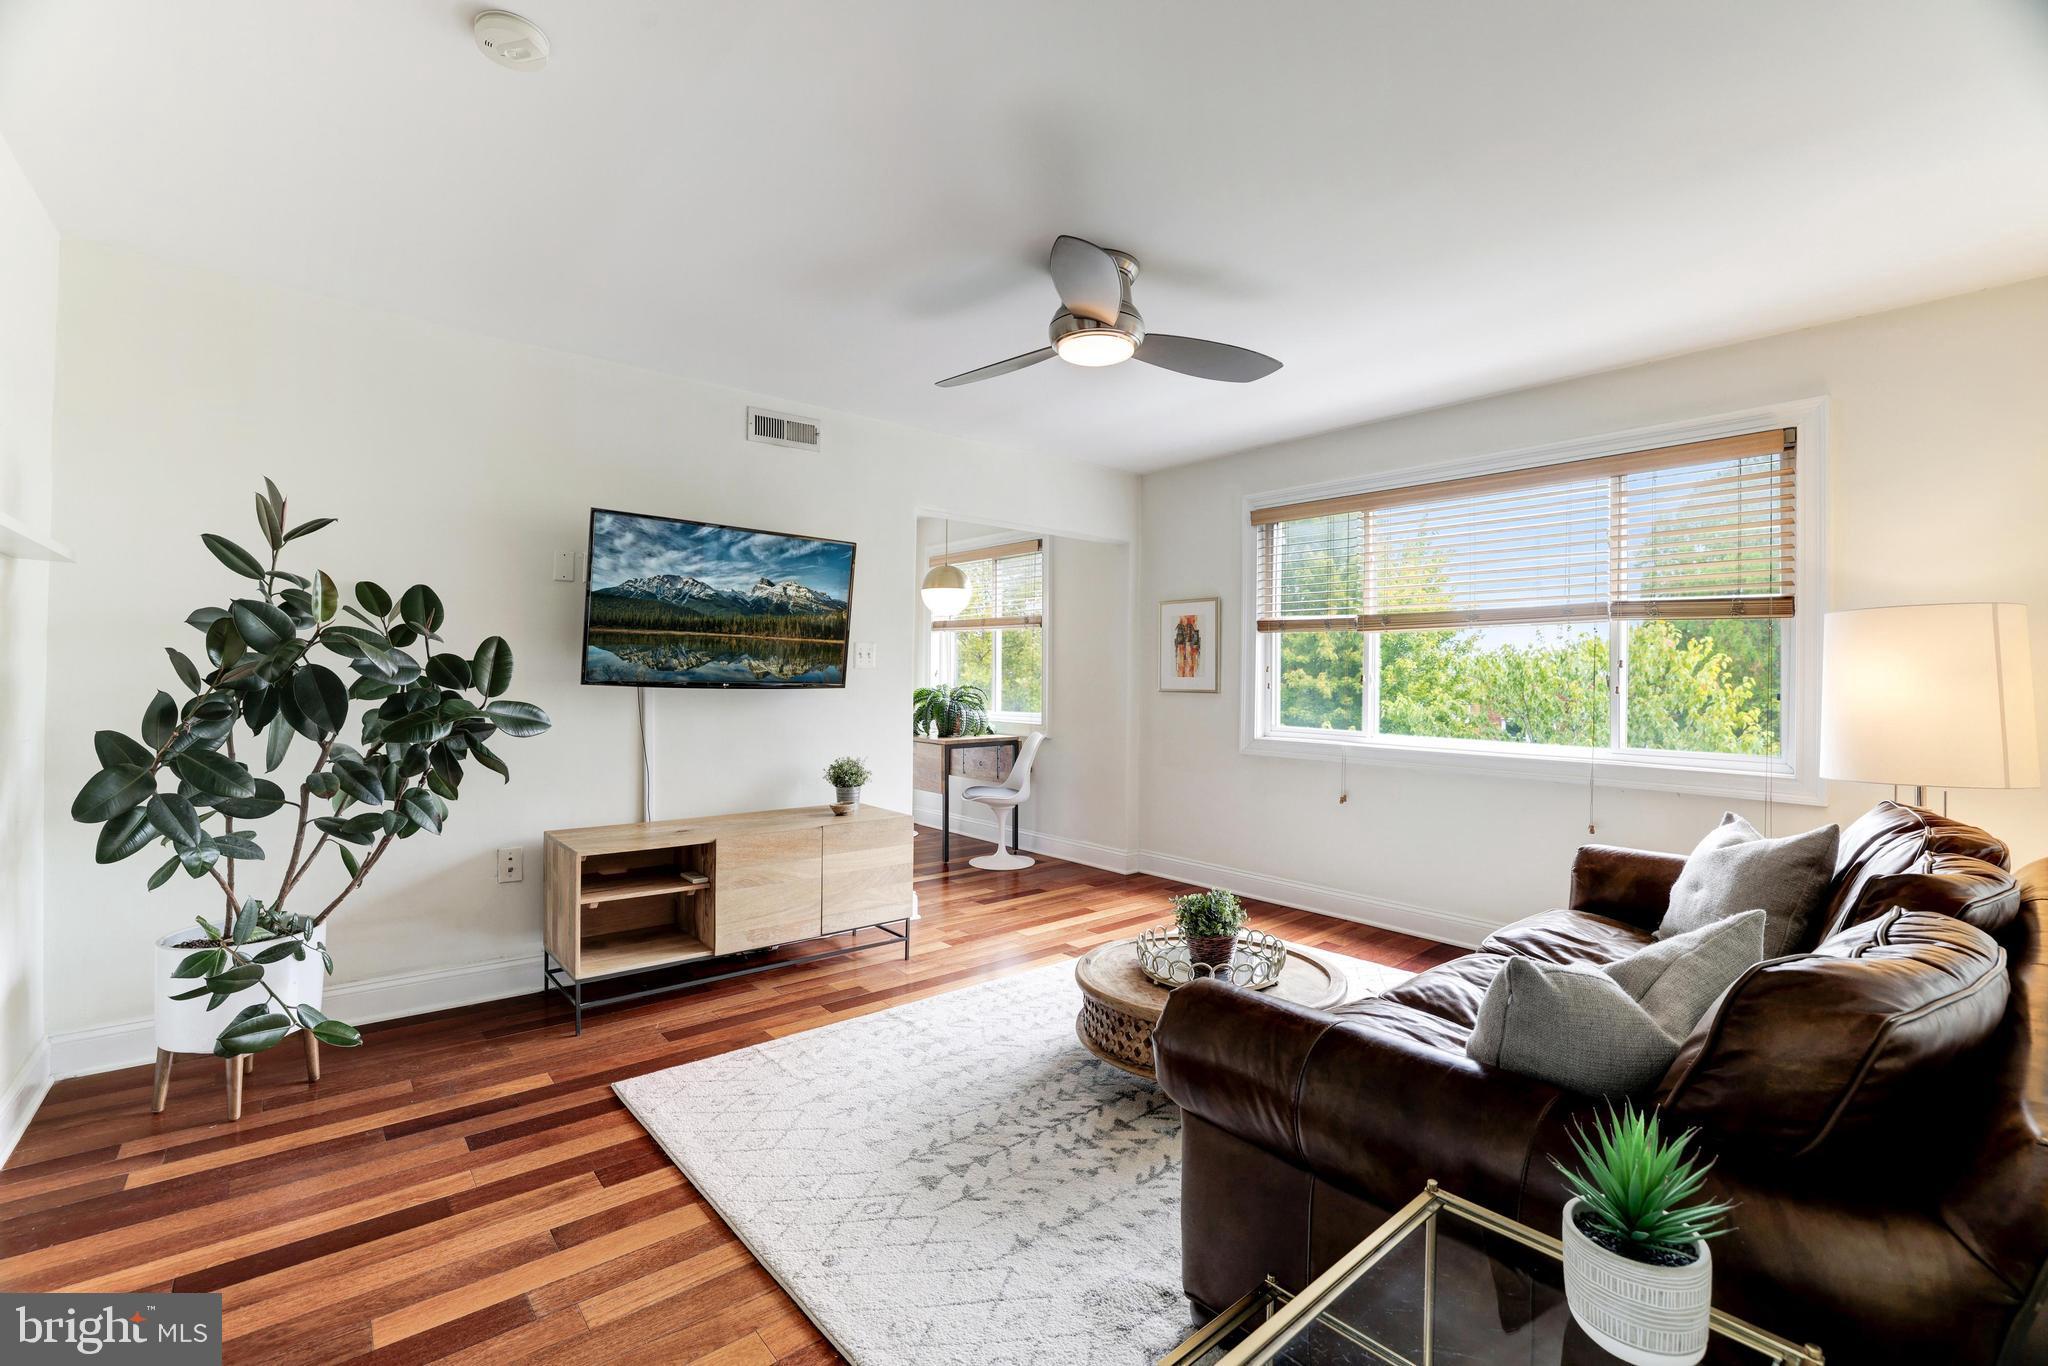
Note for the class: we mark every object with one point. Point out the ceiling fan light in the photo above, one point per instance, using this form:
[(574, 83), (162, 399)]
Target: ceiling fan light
[(945, 589), (1096, 346)]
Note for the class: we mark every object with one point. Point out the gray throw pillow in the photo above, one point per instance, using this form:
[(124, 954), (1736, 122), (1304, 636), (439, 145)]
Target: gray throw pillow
[(1614, 1029), (1736, 869)]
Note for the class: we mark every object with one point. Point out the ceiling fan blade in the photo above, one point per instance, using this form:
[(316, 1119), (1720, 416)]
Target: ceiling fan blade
[(1001, 367), (1086, 276), (1205, 359)]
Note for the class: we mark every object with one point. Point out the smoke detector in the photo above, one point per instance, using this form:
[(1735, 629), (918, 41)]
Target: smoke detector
[(511, 41)]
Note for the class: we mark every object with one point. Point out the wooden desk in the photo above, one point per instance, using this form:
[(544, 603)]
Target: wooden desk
[(984, 758)]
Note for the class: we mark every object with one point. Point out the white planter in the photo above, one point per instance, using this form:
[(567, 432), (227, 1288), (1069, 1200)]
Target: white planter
[(1644, 1314), (189, 1027)]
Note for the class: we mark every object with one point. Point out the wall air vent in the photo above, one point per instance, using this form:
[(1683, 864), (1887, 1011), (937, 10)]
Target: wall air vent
[(782, 429)]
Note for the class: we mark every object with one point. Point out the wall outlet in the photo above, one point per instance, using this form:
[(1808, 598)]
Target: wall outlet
[(511, 865), (863, 655)]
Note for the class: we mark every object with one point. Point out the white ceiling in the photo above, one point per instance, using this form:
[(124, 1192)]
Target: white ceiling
[(839, 203)]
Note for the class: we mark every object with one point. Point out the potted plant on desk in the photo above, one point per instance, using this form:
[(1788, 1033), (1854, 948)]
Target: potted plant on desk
[(946, 711), (1209, 922), (848, 776), (428, 714), (1637, 1273)]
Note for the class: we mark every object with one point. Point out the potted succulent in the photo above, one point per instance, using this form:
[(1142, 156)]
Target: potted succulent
[(251, 974), (946, 711), (1209, 922), (848, 776), (1637, 1273)]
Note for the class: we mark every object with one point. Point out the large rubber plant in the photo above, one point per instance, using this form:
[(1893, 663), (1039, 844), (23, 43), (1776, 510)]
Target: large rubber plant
[(273, 681)]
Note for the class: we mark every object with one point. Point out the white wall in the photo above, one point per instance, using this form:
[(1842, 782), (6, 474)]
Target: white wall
[(465, 463), (1081, 779), (1938, 478), (28, 360)]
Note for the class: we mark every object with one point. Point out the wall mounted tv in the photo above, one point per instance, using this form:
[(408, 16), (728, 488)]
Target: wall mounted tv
[(677, 604)]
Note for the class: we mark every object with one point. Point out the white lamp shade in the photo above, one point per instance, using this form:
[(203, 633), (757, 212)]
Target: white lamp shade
[(1934, 696), (945, 589)]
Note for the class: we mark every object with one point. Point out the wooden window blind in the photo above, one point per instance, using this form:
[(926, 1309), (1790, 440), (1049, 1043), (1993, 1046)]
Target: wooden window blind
[(1703, 529), (1006, 583)]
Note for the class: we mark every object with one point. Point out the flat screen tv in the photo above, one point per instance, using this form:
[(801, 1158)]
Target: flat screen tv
[(678, 604)]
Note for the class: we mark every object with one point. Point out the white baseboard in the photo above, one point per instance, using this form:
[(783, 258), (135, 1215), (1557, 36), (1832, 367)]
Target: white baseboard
[(18, 1103), (83, 1052), (1448, 927), (975, 824), (131, 1043)]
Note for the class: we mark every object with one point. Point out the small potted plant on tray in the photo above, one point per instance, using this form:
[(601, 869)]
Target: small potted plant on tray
[(1209, 922), (848, 776), (1637, 1273)]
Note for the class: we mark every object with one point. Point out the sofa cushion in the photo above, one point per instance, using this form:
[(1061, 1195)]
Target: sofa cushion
[(1614, 1029), (1568, 937), (1735, 868), (1450, 992), (1822, 1047), (1893, 840)]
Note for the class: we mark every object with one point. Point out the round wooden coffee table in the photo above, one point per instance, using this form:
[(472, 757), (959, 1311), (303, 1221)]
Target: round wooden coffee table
[(1120, 1004)]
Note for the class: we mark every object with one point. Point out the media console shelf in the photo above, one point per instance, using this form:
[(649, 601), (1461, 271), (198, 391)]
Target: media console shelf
[(626, 899)]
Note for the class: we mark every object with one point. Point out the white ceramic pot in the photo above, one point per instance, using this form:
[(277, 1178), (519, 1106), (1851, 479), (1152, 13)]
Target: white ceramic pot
[(1644, 1314), (189, 1027)]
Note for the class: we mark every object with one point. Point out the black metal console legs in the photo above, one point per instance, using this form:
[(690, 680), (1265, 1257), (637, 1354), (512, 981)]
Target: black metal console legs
[(554, 976)]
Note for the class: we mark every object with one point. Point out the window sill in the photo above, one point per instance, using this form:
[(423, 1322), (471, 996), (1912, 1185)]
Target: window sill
[(1700, 779)]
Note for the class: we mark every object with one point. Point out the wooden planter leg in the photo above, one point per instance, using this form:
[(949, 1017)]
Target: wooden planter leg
[(163, 1082), (235, 1072), (312, 1055)]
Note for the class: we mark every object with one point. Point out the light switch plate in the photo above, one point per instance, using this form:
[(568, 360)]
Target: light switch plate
[(565, 566), (864, 655), (512, 865)]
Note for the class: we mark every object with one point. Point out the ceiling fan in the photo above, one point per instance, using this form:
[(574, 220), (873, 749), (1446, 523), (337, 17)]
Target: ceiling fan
[(1098, 325)]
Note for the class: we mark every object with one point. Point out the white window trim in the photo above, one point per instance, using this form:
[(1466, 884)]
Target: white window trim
[(1792, 777), (938, 654)]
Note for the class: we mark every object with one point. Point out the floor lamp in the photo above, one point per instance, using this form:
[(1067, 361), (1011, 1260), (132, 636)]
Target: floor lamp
[(1930, 696)]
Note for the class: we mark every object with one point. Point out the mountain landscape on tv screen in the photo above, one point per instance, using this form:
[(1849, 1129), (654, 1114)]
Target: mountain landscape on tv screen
[(693, 604)]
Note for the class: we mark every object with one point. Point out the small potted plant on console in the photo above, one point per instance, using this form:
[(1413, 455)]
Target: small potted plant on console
[(1637, 1273), (848, 776), (1209, 922)]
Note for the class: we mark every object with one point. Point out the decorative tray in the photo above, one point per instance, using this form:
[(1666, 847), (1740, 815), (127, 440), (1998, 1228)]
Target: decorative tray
[(1255, 963)]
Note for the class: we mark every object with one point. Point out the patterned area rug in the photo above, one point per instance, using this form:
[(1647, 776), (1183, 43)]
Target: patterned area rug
[(954, 1180)]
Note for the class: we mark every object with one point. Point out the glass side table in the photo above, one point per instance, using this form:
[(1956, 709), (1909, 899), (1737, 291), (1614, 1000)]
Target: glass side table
[(1382, 1302)]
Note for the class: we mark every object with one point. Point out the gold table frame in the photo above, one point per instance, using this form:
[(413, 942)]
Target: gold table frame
[(1287, 1315)]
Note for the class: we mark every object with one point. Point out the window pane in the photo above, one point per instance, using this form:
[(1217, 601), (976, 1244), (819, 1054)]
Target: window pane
[(1023, 672), (1708, 687), (971, 659), (1542, 685), (1322, 680)]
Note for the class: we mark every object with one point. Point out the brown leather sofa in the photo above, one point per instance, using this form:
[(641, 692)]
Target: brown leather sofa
[(1877, 1105)]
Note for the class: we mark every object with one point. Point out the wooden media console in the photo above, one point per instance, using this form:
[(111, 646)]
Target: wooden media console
[(624, 899)]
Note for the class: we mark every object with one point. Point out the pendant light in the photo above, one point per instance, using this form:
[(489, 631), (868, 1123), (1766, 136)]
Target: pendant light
[(945, 588)]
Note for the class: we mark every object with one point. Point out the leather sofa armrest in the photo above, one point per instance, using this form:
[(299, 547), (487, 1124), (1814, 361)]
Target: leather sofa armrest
[(1235, 1058), (1368, 1108), (1383, 1113), (1629, 885)]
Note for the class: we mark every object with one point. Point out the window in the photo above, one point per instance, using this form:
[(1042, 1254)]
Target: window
[(1635, 606), (997, 641)]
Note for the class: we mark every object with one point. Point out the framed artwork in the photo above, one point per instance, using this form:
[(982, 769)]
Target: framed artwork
[(1188, 642)]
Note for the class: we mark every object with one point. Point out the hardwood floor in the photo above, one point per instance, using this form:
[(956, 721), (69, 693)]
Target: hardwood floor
[(465, 1187)]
